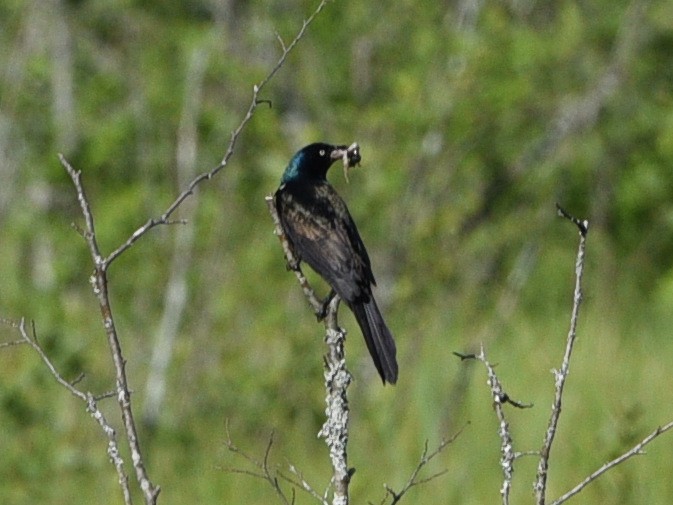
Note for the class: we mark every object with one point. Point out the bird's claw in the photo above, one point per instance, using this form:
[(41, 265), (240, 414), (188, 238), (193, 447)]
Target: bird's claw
[(292, 265), (324, 306)]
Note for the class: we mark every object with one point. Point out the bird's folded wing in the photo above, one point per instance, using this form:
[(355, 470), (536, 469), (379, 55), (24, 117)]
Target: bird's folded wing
[(326, 246)]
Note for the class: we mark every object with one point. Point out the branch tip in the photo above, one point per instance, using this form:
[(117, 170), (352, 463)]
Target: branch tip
[(464, 356), (582, 225)]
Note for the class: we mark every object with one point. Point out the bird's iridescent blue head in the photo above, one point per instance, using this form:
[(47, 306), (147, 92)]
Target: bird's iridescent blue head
[(314, 160)]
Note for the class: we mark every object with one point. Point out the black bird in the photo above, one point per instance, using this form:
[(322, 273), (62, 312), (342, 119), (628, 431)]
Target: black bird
[(322, 233)]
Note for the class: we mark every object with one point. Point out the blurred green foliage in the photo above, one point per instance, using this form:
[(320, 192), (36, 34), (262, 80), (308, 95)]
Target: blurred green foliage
[(473, 118)]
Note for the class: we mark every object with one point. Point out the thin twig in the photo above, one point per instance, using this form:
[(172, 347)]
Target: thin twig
[(91, 407), (265, 472), (272, 478), (522, 454), (303, 484), (413, 479), (32, 341), (582, 225), (634, 451), (255, 101), (540, 485)]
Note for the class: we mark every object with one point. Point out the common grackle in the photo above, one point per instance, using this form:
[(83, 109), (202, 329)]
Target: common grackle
[(322, 233)]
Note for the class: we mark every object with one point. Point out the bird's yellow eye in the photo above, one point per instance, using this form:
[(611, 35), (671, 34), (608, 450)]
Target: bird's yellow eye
[(322, 152)]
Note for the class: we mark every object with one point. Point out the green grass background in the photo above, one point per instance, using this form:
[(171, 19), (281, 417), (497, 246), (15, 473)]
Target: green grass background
[(460, 120)]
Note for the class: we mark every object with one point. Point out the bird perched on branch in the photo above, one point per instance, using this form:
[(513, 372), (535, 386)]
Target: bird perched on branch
[(321, 232)]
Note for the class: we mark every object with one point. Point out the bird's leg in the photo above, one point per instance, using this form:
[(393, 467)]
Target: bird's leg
[(322, 313)]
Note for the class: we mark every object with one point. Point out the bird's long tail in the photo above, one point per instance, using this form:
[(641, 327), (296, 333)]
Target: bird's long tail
[(379, 340)]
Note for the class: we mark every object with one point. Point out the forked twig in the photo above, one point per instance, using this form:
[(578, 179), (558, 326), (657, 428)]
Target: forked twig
[(99, 279), (540, 485), (263, 467), (255, 102), (86, 397), (273, 477), (423, 461), (99, 284)]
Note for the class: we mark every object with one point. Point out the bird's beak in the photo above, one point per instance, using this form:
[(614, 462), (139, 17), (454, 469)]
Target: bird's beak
[(350, 155)]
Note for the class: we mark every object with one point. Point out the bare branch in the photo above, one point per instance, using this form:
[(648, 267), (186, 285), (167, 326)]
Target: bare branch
[(303, 484), (263, 466), (636, 450), (272, 478), (281, 42), (32, 341), (500, 397), (583, 226), (99, 279), (88, 399), (540, 485), (424, 460), (99, 283), (255, 101)]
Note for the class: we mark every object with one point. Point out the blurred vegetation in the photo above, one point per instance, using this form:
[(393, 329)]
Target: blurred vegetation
[(474, 118)]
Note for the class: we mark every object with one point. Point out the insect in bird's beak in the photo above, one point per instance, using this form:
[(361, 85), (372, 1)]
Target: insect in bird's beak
[(350, 155)]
